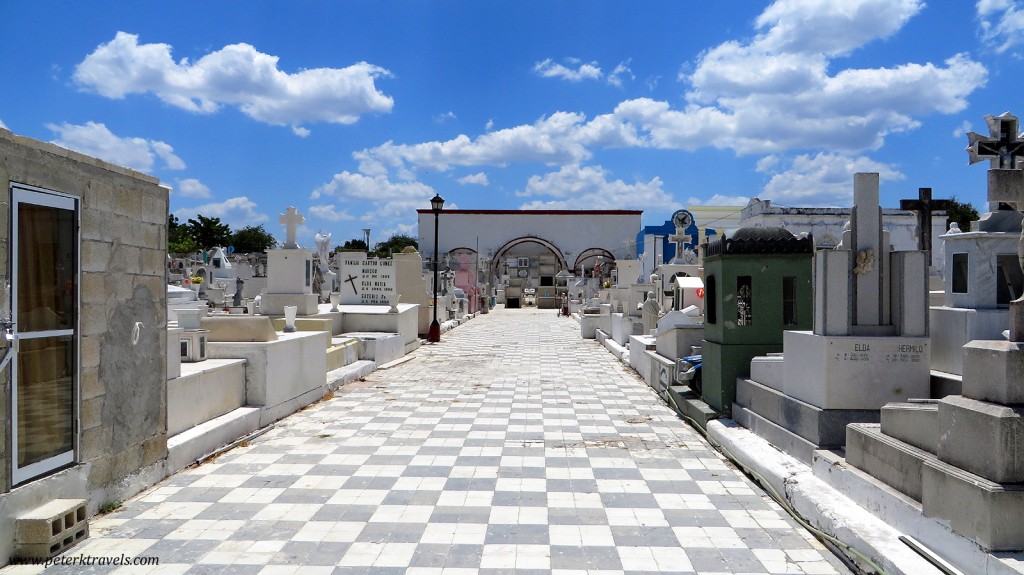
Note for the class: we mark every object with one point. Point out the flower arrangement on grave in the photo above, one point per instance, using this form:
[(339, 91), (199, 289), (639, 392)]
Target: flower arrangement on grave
[(196, 280)]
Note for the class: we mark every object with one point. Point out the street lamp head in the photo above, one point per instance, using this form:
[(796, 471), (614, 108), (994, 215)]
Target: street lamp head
[(436, 203)]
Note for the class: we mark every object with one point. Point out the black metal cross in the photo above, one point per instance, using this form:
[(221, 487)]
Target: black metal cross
[(352, 280), (924, 205), (1003, 148)]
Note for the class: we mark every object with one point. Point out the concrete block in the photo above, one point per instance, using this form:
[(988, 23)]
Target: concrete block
[(588, 326), (204, 391), (379, 347), (982, 438), (768, 370), (676, 342), (780, 438), (638, 360), (239, 328), (273, 303), (984, 511), (916, 424), (952, 328), (855, 372), (51, 529), (662, 373), (889, 460), (994, 371), (307, 324)]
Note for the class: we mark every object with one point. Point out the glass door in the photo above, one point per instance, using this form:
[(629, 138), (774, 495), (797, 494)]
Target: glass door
[(44, 311)]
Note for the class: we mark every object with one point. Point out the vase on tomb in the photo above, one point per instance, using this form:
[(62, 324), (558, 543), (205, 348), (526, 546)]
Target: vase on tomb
[(290, 311), (335, 300), (189, 318), (393, 302)]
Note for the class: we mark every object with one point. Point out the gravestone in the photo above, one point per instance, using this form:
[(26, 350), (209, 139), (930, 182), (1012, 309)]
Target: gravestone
[(413, 286), (870, 341), (289, 273), (968, 468), (869, 345), (366, 281)]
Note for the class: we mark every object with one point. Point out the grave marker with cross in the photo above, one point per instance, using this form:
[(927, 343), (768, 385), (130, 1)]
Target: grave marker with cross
[(291, 218), (924, 205), (1003, 148), (1005, 184)]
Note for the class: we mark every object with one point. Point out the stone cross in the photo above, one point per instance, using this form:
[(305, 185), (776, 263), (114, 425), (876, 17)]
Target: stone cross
[(924, 205), (1004, 148), (291, 218)]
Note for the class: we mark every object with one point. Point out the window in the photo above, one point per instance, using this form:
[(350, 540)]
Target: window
[(524, 262), (960, 273), (1009, 279), (789, 316), (744, 301), (710, 301)]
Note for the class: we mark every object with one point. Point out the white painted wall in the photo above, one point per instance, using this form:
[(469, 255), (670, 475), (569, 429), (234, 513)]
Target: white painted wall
[(571, 231)]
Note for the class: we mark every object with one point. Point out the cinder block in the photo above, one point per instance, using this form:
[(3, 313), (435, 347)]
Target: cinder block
[(51, 529)]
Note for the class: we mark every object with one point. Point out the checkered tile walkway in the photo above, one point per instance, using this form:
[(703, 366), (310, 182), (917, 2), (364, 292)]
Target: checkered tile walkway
[(511, 447)]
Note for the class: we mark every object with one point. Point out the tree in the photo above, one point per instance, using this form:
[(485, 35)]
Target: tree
[(252, 239), (209, 232), (179, 241), (394, 244), (352, 245), (962, 213)]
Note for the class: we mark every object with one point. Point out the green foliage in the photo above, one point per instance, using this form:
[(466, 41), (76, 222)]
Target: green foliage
[(209, 232), (353, 245), (395, 244), (962, 213), (252, 239)]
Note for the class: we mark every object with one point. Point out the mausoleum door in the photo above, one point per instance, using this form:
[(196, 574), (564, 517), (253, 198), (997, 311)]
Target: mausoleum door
[(44, 309)]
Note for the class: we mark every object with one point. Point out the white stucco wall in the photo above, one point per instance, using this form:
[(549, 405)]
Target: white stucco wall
[(572, 231)]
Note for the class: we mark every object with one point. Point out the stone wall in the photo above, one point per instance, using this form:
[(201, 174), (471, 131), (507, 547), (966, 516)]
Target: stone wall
[(122, 386)]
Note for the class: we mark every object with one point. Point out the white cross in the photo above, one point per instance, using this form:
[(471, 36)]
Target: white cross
[(291, 218)]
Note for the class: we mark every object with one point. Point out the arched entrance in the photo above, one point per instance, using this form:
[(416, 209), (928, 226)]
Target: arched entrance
[(590, 257), (529, 265)]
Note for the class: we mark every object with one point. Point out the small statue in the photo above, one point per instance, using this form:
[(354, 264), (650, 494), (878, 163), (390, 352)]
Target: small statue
[(237, 300), (650, 312)]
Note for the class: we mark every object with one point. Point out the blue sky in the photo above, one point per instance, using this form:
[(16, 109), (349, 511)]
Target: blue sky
[(358, 113)]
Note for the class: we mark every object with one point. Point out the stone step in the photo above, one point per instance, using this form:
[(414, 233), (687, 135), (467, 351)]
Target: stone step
[(195, 443), (981, 437), (343, 351), (914, 423), (986, 512), (825, 428), (891, 461)]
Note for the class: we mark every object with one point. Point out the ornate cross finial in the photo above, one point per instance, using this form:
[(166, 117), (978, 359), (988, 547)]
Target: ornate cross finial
[(291, 218), (1004, 148)]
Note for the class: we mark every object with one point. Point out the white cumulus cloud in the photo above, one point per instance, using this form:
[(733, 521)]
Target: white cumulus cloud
[(95, 139), (389, 199), (237, 212), (589, 187), (236, 75), (478, 179), (329, 212), (824, 179), (583, 71), (193, 188)]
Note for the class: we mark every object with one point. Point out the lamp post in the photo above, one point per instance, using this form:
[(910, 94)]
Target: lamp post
[(436, 204)]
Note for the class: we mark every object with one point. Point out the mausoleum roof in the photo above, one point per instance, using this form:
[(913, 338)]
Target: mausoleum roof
[(761, 240)]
